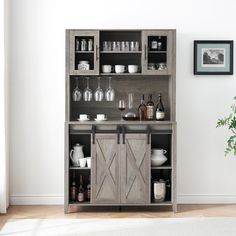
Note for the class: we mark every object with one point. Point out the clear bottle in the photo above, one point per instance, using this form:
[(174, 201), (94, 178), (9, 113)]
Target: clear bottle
[(142, 109), (159, 44), (131, 113), (73, 189), (150, 108), (81, 189), (160, 111), (89, 190)]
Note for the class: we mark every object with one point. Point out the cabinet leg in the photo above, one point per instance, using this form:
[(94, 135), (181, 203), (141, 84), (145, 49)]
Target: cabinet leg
[(120, 209), (174, 208)]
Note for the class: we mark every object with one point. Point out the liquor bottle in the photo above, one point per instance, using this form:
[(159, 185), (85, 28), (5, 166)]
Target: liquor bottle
[(159, 43), (81, 189), (160, 112), (150, 108), (73, 189), (142, 109), (89, 190)]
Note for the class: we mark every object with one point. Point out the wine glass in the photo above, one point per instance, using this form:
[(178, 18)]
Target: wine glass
[(121, 107), (110, 92), (88, 94), (98, 94), (76, 94)]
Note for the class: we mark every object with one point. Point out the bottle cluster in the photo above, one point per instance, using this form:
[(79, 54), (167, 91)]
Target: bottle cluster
[(79, 192), (148, 111)]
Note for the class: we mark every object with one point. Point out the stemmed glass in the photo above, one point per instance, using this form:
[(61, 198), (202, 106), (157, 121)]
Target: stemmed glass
[(121, 107), (76, 94), (110, 92), (88, 94), (98, 94)]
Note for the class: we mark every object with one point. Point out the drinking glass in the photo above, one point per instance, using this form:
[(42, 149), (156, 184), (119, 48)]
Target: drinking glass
[(88, 95), (136, 46), (98, 94), (121, 107), (107, 46), (76, 94), (110, 92)]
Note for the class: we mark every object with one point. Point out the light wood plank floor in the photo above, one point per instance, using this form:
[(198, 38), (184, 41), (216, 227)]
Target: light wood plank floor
[(44, 212)]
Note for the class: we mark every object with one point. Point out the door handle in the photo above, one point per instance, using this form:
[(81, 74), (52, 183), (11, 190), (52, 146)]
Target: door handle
[(118, 134), (145, 52), (96, 52), (123, 134)]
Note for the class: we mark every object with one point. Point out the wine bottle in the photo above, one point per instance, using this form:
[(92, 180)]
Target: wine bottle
[(150, 108), (160, 112), (89, 190), (142, 109), (73, 189), (81, 189)]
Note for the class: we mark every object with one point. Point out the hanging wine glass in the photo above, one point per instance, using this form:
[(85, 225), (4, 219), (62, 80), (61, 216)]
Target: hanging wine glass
[(76, 94), (98, 94), (88, 94), (110, 92)]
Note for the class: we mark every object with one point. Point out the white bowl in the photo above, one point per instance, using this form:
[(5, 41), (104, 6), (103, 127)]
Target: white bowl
[(158, 161)]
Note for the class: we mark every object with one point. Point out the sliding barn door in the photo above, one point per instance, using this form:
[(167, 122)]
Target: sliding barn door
[(135, 169), (105, 169)]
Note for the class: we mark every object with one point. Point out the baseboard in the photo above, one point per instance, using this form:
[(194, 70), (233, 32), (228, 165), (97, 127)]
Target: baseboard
[(206, 199), (181, 199), (36, 200)]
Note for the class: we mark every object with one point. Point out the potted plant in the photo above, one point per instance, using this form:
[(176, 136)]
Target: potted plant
[(230, 123)]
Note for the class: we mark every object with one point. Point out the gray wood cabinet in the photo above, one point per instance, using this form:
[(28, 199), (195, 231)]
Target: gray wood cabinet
[(121, 173), (77, 54), (135, 169), (106, 168), (163, 55)]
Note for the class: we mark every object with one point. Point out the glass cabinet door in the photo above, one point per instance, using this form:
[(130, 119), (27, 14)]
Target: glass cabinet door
[(84, 54), (157, 47)]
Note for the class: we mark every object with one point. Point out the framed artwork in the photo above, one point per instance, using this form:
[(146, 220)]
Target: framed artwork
[(213, 57)]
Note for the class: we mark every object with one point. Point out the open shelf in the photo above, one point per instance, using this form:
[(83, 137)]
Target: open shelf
[(84, 51), (161, 167), (79, 168), (120, 52)]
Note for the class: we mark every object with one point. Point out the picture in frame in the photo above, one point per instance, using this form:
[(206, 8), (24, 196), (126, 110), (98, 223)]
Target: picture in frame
[(213, 57)]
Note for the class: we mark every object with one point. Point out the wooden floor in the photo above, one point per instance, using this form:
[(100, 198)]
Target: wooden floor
[(44, 212)]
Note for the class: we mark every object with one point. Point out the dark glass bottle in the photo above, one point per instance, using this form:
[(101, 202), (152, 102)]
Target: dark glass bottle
[(89, 190), (150, 108), (142, 109), (73, 189), (81, 189), (160, 111)]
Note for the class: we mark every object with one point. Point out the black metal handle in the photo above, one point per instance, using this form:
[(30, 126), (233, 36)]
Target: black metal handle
[(118, 134), (123, 134), (145, 52), (96, 53), (149, 131), (93, 133)]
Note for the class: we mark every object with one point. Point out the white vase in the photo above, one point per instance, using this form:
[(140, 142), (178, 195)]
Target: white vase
[(158, 158), (76, 153)]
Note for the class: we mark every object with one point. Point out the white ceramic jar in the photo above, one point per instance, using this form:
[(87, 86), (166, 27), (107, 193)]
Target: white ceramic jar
[(158, 157)]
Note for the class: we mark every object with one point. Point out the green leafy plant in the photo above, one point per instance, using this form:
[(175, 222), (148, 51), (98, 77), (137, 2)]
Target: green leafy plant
[(230, 123)]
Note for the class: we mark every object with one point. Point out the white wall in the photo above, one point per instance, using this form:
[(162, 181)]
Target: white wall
[(37, 53)]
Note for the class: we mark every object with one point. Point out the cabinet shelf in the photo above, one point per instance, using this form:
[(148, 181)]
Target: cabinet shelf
[(120, 74), (79, 168), (165, 203), (121, 52), (157, 52), (161, 167), (84, 51), (79, 203)]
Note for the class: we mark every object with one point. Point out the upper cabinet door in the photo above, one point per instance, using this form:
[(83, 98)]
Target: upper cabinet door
[(157, 52), (84, 52), (135, 170), (105, 171)]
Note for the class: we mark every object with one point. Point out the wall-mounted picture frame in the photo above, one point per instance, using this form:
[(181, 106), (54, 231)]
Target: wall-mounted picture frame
[(213, 57)]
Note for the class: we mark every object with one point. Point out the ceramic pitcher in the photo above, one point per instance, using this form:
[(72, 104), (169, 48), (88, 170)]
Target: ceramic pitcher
[(76, 153)]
